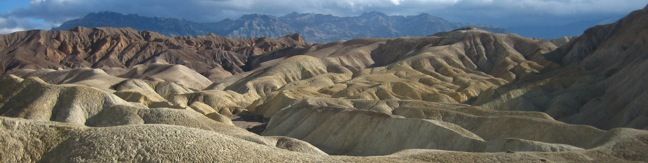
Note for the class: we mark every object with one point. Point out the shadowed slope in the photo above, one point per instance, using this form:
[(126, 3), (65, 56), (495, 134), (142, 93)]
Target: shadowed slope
[(601, 83)]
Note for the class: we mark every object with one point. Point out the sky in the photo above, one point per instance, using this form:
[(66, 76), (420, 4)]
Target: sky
[(17, 15)]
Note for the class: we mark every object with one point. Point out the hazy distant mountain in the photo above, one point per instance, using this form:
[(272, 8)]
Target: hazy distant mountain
[(314, 27), (162, 25), (550, 31)]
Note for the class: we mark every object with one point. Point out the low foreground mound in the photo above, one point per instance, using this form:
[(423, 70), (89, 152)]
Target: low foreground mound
[(32, 141)]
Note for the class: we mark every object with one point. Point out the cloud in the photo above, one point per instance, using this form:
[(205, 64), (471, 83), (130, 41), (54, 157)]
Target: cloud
[(496, 12), (396, 2), (10, 30), (9, 24)]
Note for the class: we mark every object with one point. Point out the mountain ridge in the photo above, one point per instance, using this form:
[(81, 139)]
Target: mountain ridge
[(314, 27)]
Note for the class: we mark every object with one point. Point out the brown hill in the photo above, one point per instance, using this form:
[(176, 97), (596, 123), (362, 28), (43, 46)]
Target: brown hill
[(113, 47)]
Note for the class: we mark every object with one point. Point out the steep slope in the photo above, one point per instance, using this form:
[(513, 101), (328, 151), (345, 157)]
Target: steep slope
[(124, 47), (601, 82)]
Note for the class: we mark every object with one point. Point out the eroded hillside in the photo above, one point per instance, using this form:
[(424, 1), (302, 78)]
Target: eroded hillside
[(462, 96)]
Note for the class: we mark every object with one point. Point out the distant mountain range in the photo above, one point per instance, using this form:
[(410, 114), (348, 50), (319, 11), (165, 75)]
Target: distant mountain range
[(314, 27)]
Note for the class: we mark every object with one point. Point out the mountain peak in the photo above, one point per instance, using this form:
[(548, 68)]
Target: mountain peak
[(105, 13), (373, 14), (426, 16), (257, 16), (469, 29), (297, 37), (293, 14)]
